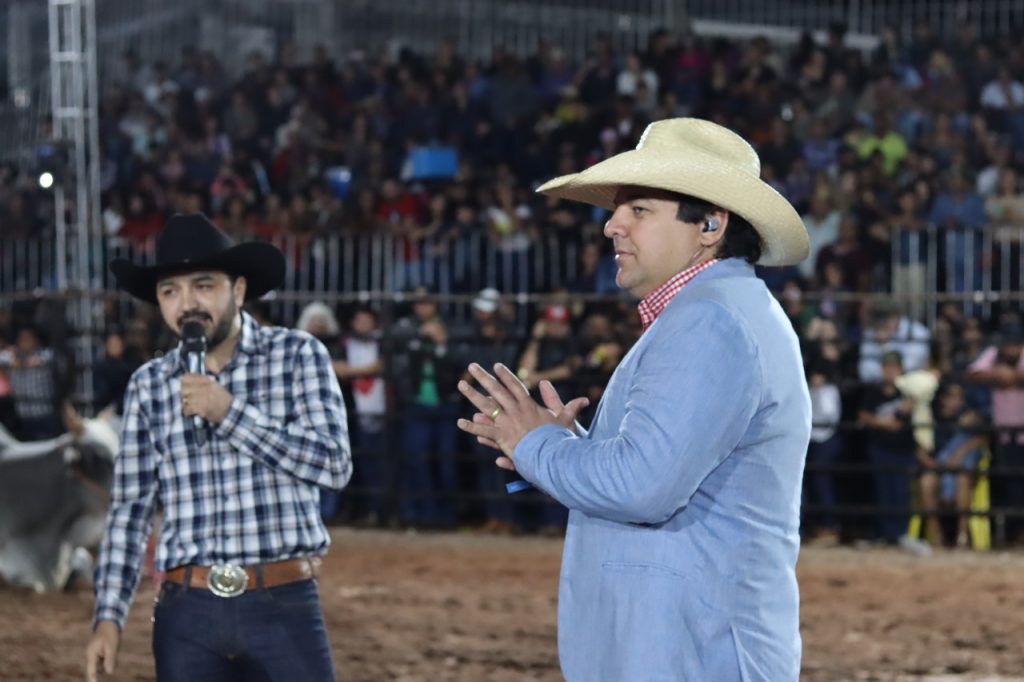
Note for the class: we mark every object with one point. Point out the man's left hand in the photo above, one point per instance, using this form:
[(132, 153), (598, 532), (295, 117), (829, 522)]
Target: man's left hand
[(201, 395), (508, 413)]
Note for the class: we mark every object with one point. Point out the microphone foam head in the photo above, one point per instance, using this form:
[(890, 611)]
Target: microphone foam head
[(193, 331)]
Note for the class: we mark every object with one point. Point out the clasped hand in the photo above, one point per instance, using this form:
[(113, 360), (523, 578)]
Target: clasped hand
[(507, 412), (201, 395)]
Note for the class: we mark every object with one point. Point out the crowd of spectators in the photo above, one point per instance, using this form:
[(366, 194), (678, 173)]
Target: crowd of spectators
[(903, 161)]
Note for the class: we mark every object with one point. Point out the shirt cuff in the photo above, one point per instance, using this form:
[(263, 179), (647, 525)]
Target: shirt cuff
[(236, 413), (115, 614)]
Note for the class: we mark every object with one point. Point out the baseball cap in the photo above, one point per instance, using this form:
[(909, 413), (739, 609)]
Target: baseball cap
[(487, 301), (557, 312)]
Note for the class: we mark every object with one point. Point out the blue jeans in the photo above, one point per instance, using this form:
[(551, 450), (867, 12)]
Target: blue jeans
[(823, 483), (367, 478), (1008, 489), (892, 490), (370, 471), (970, 461), (330, 500), (498, 504), (429, 473), (263, 635)]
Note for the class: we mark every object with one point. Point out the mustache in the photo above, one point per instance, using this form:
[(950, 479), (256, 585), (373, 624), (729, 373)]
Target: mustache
[(197, 315)]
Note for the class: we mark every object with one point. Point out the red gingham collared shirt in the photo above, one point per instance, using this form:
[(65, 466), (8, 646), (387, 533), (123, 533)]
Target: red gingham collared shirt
[(653, 303)]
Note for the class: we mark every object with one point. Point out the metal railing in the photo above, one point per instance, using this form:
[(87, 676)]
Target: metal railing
[(975, 266), (385, 491), (158, 31), (977, 269), (944, 17), (374, 269), (330, 265)]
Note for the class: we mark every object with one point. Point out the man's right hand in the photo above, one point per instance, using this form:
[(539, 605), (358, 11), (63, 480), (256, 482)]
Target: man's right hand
[(102, 648)]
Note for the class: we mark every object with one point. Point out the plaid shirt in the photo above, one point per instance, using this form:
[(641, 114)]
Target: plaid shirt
[(250, 494), (653, 303)]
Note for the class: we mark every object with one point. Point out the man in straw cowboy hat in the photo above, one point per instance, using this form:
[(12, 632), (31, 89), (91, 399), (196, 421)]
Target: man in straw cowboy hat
[(234, 457), (684, 495)]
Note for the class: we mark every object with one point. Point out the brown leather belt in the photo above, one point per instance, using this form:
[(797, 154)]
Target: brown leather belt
[(261, 575)]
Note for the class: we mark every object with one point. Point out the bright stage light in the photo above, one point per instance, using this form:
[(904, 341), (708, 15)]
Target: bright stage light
[(46, 180)]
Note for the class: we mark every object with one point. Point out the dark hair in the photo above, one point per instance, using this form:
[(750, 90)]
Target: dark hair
[(892, 357), (33, 329), (741, 240), (364, 310), (945, 386)]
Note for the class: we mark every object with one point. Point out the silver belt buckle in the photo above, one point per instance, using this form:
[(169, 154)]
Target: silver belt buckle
[(227, 580)]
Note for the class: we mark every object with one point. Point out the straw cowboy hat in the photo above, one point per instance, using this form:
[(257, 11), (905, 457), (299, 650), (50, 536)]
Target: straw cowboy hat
[(190, 242), (702, 159)]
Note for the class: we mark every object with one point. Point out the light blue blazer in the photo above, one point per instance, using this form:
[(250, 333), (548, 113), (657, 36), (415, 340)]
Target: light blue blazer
[(685, 497)]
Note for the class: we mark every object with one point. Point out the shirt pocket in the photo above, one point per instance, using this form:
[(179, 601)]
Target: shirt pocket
[(694, 594), (272, 398)]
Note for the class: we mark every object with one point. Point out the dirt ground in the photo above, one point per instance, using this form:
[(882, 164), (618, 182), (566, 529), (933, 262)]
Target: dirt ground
[(466, 608)]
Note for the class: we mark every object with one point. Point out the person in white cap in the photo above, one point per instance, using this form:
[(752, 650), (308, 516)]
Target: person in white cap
[(684, 495)]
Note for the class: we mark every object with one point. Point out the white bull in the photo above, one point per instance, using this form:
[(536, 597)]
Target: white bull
[(54, 496)]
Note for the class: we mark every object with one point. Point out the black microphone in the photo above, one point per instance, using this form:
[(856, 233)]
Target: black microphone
[(193, 347)]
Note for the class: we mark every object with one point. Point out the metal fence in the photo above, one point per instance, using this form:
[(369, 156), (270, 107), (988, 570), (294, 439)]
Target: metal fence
[(331, 267), (975, 267), (460, 479), (380, 489), (867, 17), (233, 28), (158, 30), (978, 267)]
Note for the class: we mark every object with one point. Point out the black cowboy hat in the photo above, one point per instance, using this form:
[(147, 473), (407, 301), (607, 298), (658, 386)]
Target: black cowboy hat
[(190, 242)]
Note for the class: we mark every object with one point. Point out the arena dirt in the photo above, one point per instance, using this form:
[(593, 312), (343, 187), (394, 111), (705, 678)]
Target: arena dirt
[(468, 608)]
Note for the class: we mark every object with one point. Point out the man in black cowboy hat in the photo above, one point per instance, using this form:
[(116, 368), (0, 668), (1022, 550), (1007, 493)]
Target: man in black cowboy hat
[(234, 457)]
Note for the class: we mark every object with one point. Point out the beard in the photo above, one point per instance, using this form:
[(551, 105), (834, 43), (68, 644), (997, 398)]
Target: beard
[(221, 328)]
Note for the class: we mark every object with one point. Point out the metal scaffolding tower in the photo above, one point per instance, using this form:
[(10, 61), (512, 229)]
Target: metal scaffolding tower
[(79, 254)]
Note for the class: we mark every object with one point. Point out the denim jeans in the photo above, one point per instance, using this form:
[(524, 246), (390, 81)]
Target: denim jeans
[(1008, 489), (264, 635), (823, 483), (892, 490), (498, 504), (429, 476), (330, 500), (371, 471)]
